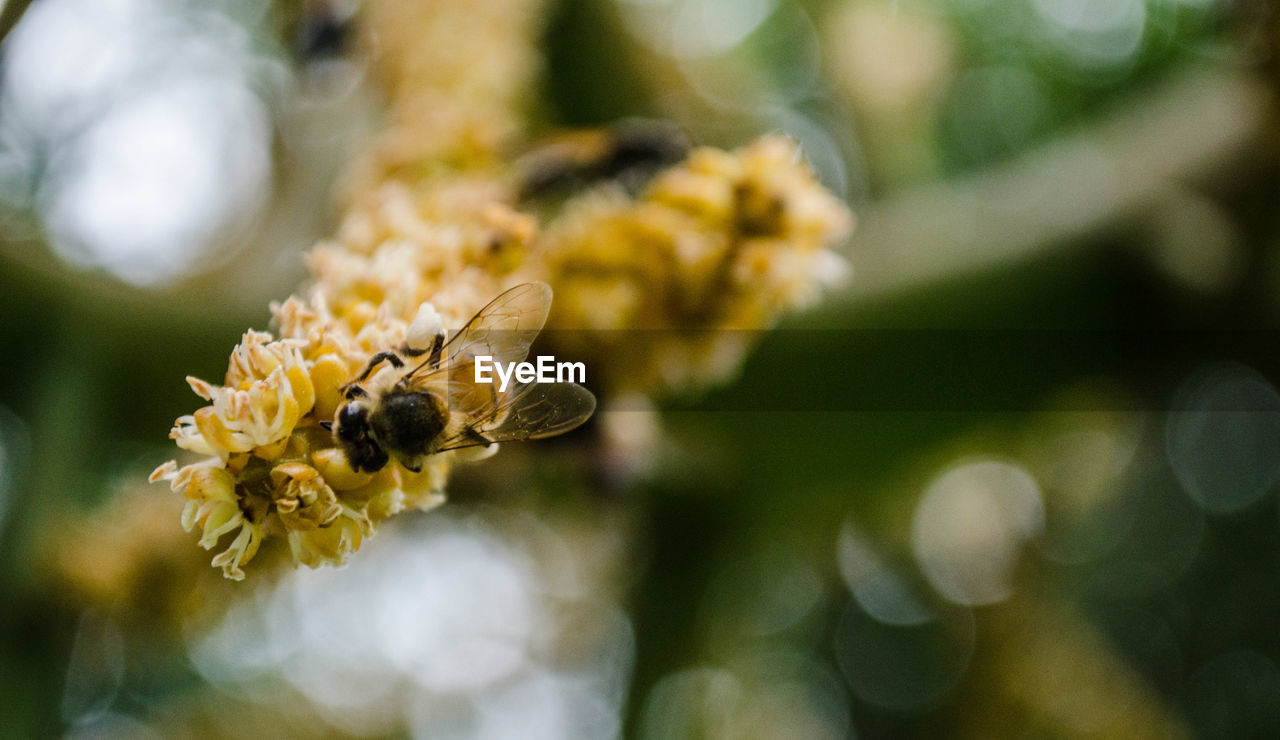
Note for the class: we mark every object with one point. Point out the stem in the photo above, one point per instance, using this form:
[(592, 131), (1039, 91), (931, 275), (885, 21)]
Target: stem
[(10, 14), (1196, 126)]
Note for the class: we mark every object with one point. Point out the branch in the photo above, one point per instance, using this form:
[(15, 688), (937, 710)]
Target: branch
[(1199, 125), (10, 14)]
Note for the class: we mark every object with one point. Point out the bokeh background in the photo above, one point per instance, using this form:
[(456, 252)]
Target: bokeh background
[(1017, 479)]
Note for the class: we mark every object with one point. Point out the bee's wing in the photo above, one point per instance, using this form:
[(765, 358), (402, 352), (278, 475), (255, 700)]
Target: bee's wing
[(531, 411), (479, 413), (503, 330)]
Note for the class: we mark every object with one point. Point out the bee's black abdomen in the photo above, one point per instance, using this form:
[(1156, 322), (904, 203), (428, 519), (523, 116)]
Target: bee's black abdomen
[(630, 152), (649, 145), (406, 423)]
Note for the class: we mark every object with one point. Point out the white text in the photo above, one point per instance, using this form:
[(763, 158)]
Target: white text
[(545, 370)]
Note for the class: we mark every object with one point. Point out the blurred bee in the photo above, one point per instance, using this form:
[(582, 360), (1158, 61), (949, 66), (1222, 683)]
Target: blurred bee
[(413, 408), (629, 153)]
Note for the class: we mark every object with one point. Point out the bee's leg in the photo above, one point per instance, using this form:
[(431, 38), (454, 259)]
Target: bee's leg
[(436, 348), (437, 344), (471, 434), (355, 391), (384, 356)]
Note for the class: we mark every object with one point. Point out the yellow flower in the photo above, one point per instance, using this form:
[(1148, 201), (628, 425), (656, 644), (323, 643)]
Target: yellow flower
[(330, 545), (268, 390), (450, 109), (302, 498), (660, 292), (214, 506)]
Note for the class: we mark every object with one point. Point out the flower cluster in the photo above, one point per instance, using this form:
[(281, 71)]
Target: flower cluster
[(126, 559), (456, 77), (714, 247), (270, 466), (423, 223), (445, 244), (664, 291)]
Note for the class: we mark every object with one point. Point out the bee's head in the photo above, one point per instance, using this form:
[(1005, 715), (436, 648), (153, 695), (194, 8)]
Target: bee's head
[(352, 421), (351, 427)]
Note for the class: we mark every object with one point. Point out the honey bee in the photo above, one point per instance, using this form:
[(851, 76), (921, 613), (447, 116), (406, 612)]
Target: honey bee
[(413, 408), (628, 153)]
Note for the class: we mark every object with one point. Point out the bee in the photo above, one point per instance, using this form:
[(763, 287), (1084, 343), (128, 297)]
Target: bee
[(629, 153), (425, 400)]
